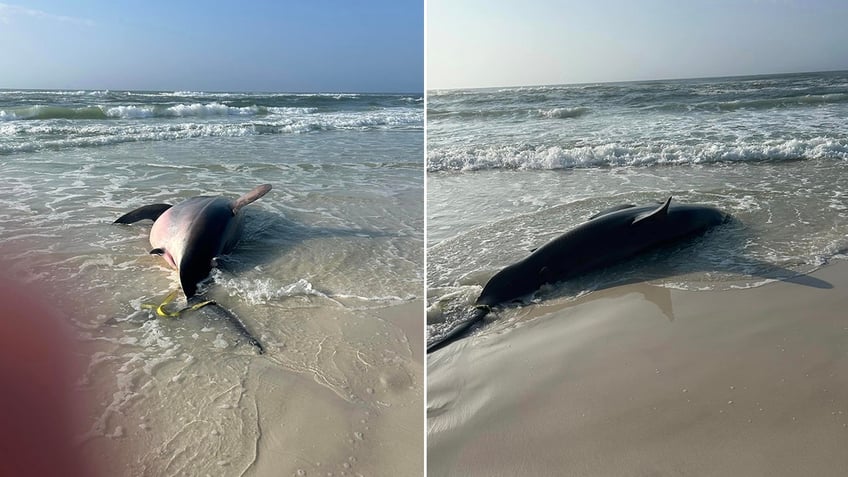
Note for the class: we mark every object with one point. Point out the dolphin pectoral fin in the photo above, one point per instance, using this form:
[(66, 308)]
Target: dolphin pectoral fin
[(657, 214), (151, 212), (251, 196)]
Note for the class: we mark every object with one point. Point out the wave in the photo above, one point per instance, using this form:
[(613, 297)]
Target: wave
[(52, 112), (780, 102), (719, 95), (39, 92), (654, 100), (30, 136), (529, 157), (563, 113), (103, 105), (128, 111), (515, 113), (142, 111)]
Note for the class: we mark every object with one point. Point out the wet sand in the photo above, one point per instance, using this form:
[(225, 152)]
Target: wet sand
[(354, 407), (640, 380), (307, 430)]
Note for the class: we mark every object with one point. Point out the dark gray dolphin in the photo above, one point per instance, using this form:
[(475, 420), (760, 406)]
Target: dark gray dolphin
[(605, 239), (191, 234)]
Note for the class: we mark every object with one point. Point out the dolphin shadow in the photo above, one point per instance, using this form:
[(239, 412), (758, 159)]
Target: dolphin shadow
[(663, 262), (267, 236)]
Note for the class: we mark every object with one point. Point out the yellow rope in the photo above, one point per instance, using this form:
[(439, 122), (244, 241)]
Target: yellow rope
[(161, 311)]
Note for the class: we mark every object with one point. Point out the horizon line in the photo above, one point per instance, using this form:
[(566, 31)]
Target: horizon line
[(643, 80), (208, 91)]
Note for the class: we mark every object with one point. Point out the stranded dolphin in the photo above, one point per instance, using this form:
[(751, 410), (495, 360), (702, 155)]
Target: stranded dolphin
[(191, 234), (605, 239)]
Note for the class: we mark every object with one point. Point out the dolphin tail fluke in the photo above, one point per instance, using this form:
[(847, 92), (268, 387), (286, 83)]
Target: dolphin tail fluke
[(479, 313), (151, 212), (251, 196)]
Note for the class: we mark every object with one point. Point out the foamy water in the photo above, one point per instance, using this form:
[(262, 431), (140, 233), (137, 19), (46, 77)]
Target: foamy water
[(38, 120), (337, 240), (510, 169)]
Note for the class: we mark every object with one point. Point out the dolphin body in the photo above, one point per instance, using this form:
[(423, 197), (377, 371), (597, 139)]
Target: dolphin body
[(191, 234), (605, 239)]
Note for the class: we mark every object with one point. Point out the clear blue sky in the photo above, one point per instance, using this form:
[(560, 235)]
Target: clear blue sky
[(286, 45), (485, 43)]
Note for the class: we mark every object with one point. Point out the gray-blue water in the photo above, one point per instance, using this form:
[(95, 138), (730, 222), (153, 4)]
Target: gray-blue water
[(511, 168), (337, 241)]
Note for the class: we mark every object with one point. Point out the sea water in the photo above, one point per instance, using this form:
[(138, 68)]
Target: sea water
[(339, 238), (511, 168)]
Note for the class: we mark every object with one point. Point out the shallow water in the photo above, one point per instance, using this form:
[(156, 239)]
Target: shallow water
[(506, 175), (337, 241)]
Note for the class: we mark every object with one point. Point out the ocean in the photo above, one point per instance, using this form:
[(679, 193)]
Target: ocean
[(508, 169), (337, 242)]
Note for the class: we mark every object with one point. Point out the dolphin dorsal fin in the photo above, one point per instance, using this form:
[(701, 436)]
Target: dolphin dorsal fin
[(656, 214), (251, 196)]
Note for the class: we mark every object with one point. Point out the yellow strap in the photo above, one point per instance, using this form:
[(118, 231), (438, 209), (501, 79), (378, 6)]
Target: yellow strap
[(197, 306), (161, 311)]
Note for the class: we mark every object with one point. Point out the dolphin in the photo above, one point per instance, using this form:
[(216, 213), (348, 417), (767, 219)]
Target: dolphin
[(605, 239), (191, 234)]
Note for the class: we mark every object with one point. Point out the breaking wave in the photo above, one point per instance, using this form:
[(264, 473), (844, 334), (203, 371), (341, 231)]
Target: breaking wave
[(529, 157), (28, 136)]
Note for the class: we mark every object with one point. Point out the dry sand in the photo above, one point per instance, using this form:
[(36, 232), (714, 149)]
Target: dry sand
[(641, 381)]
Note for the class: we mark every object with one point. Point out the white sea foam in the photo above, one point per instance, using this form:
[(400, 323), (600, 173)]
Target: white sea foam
[(289, 111), (130, 112), (264, 290), (563, 113), (179, 110), (623, 155), (211, 109), (210, 120)]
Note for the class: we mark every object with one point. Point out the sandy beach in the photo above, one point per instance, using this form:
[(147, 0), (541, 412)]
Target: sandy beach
[(641, 380), (327, 276), (355, 410)]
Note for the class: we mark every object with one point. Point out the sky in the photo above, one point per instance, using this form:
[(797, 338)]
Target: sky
[(488, 43), (283, 46)]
